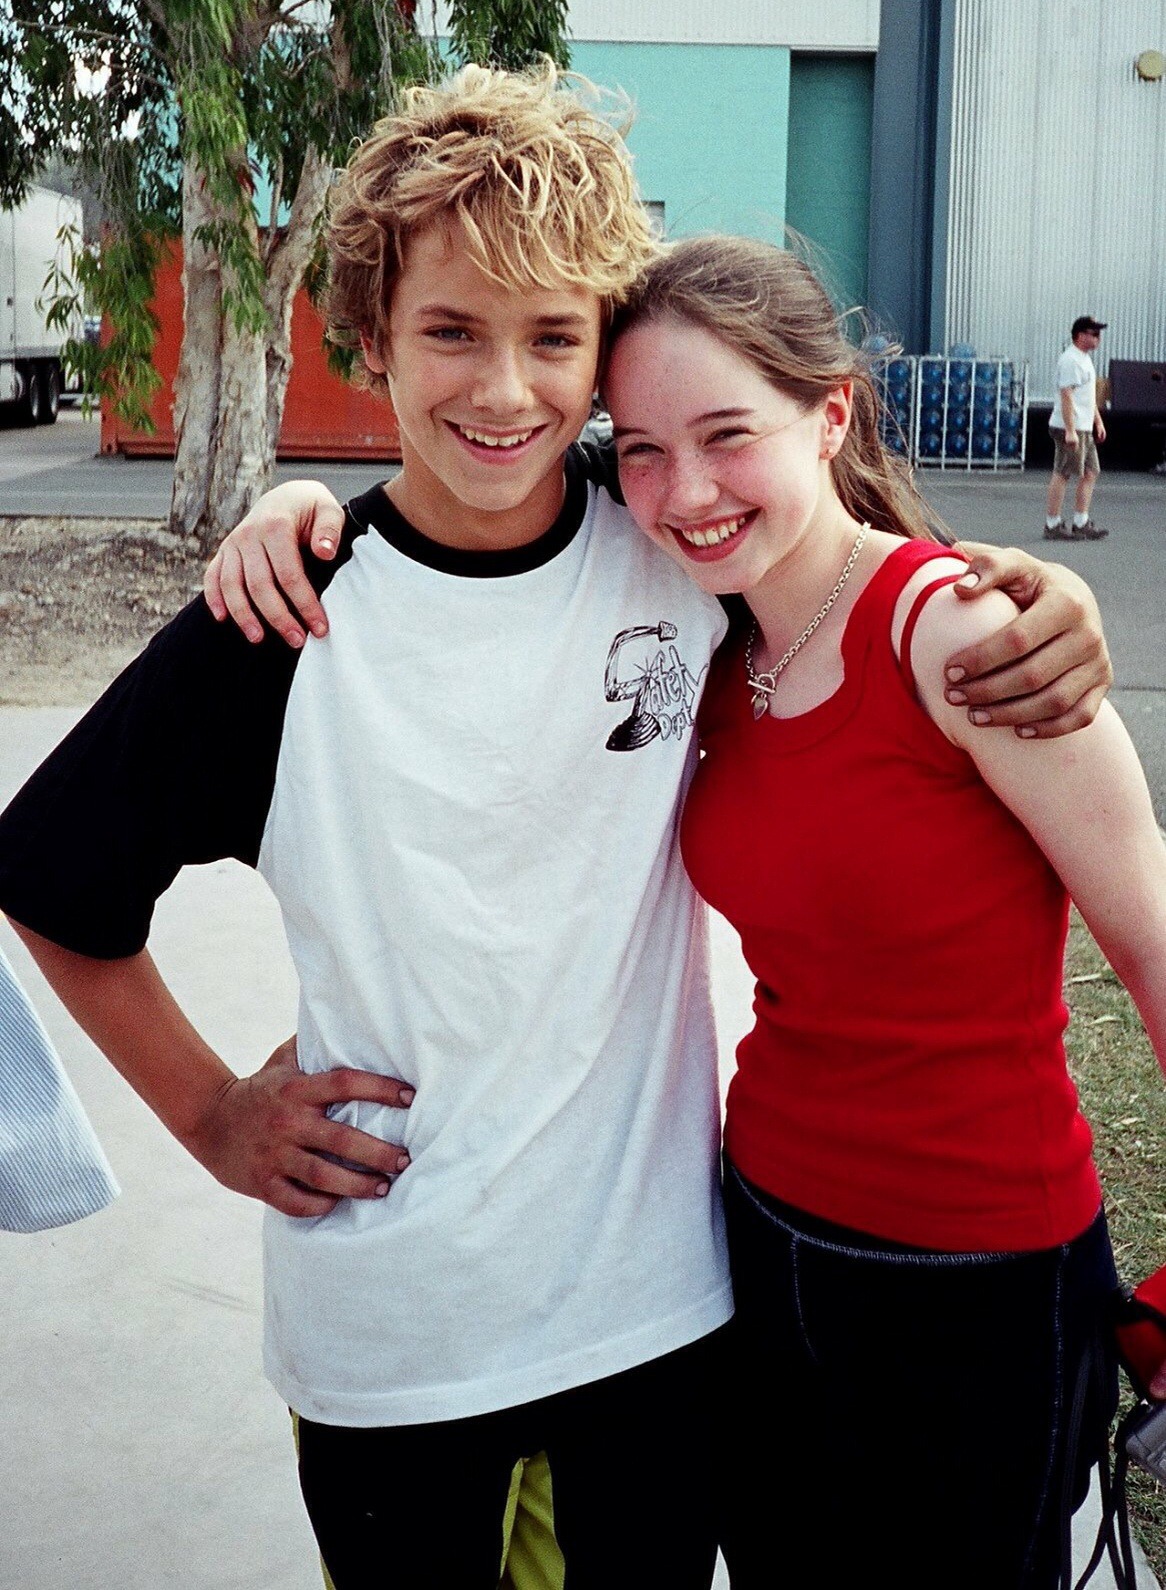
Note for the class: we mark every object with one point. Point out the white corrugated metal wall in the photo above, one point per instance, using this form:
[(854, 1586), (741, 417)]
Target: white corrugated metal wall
[(843, 25), (1058, 180)]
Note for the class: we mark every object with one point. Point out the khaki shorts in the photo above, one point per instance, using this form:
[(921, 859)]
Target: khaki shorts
[(1079, 460)]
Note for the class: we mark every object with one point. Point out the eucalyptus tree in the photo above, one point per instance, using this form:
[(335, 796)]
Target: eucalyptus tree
[(509, 33), (218, 122)]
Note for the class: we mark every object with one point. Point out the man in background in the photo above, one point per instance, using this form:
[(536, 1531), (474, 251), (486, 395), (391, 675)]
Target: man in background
[(1076, 427)]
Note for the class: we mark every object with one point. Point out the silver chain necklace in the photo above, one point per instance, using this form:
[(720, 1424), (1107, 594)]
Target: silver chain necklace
[(763, 685)]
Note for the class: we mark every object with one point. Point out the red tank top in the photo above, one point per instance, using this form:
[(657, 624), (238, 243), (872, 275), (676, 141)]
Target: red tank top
[(906, 1074)]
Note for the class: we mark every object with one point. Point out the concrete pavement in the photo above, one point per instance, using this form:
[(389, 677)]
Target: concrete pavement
[(1127, 572), (144, 1450)]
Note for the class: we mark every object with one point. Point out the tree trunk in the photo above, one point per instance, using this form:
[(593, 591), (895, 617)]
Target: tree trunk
[(288, 258), (232, 382), (242, 463), (220, 408), (198, 379)]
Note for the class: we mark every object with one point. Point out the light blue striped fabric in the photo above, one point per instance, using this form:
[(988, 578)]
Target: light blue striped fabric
[(52, 1168)]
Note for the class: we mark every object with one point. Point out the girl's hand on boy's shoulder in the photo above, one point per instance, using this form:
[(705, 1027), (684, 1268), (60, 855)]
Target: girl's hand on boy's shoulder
[(259, 569), (1047, 671), (269, 1136)]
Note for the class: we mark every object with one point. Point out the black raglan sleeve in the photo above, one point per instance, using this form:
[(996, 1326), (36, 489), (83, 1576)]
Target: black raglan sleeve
[(173, 766)]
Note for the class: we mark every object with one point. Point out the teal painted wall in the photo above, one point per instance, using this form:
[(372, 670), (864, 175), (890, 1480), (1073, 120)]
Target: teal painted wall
[(709, 138), (831, 100)]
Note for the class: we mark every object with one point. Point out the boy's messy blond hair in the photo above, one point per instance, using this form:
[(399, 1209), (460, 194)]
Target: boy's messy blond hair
[(539, 182)]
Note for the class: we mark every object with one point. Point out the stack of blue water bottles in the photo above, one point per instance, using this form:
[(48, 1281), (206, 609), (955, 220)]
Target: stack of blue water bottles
[(895, 384), (970, 412)]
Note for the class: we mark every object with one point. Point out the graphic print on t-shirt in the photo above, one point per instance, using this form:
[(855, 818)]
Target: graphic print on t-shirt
[(661, 687)]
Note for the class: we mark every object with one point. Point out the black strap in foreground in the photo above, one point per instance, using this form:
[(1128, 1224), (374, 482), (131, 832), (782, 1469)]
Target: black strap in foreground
[(1113, 1533)]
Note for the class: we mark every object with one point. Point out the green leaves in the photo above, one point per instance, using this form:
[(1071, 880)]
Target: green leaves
[(115, 282), (509, 33), (235, 95)]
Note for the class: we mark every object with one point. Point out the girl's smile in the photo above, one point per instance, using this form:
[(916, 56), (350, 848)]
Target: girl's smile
[(712, 539)]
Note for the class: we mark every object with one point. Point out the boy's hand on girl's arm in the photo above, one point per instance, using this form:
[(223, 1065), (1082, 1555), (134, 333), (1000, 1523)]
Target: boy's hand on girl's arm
[(269, 1136), (1048, 671), (259, 569)]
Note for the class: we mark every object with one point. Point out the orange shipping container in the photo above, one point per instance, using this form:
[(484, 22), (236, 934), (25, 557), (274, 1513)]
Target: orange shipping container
[(323, 417)]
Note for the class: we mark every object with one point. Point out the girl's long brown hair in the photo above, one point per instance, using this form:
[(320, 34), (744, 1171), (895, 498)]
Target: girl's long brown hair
[(769, 307)]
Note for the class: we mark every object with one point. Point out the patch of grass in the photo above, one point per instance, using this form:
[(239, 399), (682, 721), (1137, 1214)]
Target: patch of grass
[(1122, 1093)]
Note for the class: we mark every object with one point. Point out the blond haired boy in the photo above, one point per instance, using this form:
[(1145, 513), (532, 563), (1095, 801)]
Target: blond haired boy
[(465, 802)]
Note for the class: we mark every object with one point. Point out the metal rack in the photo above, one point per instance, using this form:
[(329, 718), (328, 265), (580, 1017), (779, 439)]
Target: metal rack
[(970, 413), (955, 412)]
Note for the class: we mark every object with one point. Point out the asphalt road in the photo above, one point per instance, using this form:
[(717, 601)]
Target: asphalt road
[(58, 469), (1127, 572)]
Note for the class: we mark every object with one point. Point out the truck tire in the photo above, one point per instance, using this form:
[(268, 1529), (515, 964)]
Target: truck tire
[(49, 376), (31, 402)]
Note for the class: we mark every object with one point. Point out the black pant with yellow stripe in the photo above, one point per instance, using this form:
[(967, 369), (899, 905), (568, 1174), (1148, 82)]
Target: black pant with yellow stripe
[(631, 1464)]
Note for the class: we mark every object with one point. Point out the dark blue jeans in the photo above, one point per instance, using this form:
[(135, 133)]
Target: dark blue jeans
[(904, 1415)]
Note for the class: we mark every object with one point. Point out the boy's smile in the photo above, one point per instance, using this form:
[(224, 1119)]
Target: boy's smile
[(491, 385)]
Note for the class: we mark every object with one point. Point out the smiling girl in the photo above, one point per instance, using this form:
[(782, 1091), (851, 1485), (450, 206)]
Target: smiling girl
[(920, 1260)]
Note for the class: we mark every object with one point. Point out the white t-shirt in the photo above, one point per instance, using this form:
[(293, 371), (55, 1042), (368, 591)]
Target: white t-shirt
[(465, 800), (476, 803), (1075, 370)]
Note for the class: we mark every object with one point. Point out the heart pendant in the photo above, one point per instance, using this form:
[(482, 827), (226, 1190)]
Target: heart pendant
[(760, 704)]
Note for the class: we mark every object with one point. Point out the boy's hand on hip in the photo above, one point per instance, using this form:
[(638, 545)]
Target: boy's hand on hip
[(269, 1136), (1048, 671)]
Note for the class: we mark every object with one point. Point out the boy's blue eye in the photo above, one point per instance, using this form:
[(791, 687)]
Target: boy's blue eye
[(448, 333)]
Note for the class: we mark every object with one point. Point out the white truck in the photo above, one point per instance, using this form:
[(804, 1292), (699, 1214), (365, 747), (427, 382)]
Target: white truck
[(30, 353)]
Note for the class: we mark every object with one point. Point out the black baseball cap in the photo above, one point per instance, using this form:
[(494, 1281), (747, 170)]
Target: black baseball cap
[(1087, 323)]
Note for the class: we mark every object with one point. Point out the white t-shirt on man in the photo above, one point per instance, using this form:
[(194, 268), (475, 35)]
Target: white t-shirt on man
[(1075, 372)]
